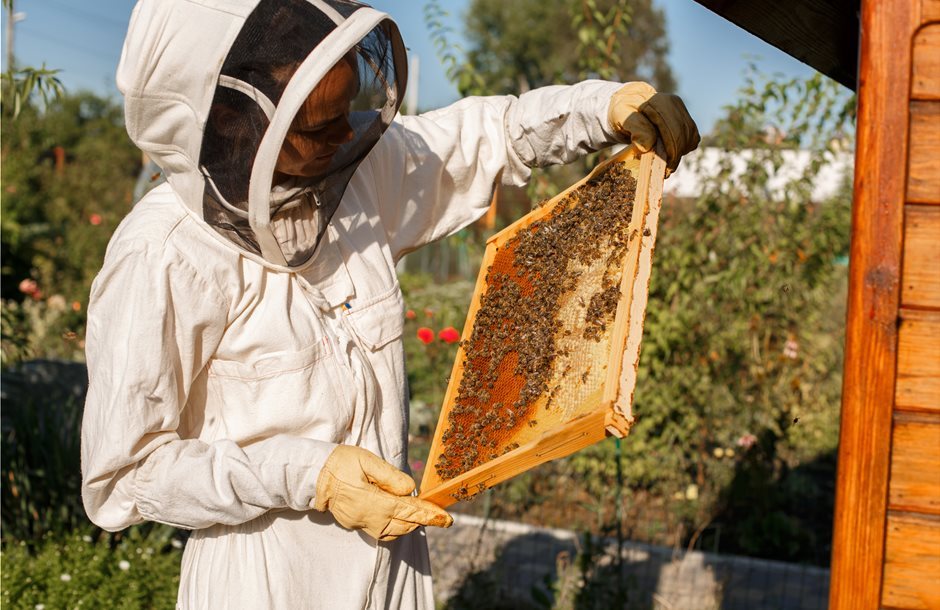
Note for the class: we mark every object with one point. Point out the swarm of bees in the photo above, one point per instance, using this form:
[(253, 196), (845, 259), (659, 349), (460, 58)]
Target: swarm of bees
[(514, 344)]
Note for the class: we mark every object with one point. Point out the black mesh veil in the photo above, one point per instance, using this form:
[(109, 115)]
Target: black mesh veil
[(279, 45)]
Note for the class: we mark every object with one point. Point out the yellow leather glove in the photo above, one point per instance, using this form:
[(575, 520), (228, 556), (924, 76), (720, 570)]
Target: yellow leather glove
[(365, 492), (637, 111)]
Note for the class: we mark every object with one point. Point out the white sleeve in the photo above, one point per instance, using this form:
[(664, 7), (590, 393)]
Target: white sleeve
[(153, 323), (435, 172)]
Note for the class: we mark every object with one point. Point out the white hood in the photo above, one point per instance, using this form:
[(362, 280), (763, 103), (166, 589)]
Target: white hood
[(184, 60)]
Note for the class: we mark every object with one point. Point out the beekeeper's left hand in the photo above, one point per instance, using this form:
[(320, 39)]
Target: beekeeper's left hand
[(637, 111)]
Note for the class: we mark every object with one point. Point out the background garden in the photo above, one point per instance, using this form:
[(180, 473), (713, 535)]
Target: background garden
[(738, 395)]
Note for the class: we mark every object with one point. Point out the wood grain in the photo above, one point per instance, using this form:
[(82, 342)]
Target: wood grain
[(923, 184), (871, 326), (912, 562), (920, 276), (573, 436), (623, 404), (915, 463), (918, 381), (634, 292), (930, 11), (925, 81)]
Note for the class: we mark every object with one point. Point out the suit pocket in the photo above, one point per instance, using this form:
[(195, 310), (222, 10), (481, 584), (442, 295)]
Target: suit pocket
[(379, 320), (280, 393)]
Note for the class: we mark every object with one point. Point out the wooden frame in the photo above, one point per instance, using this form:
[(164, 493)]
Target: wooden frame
[(613, 412)]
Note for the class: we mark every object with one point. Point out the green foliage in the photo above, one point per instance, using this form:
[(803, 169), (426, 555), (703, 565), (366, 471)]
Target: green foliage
[(40, 328), (740, 375), (814, 113), (521, 45), (139, 571), (20, 84), (41, 492), (67, 175), (434, 306), (517, 46), (599, 32), (58, 216), (460, 72)]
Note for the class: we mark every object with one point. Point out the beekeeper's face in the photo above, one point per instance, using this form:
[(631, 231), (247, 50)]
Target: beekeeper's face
[(320, 127)]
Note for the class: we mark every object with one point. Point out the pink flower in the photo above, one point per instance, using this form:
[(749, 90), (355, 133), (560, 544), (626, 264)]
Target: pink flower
[(791, 349), (449, 335), (29, 286), (425, 335), (95, 219), (417, 465), (746, 441), (410, 314)]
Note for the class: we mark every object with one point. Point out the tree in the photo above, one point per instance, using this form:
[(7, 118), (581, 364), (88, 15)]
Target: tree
[(67, 173), (516, 46)]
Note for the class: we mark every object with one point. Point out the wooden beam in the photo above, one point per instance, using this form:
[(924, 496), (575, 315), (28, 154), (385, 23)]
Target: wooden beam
[(873, 300), (820, 33)]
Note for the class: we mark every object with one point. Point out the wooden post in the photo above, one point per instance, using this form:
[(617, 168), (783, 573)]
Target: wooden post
[(873, 304)]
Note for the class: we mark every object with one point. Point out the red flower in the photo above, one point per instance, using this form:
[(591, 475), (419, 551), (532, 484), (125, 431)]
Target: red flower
[(425, 335), (410, 314), (29, 287), (747, 440), (449, 335), (428, 312), (95, 219)]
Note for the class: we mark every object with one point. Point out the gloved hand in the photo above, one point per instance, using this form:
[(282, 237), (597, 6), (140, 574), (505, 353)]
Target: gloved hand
[(637, 111), (365, 492)]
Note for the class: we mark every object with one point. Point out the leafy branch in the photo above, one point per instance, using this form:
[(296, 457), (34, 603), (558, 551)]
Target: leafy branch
[(599, 35), (462, 73), (23, 82)]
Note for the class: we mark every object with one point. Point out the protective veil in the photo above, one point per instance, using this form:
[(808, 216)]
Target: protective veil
[(282, 51), (244, 324)]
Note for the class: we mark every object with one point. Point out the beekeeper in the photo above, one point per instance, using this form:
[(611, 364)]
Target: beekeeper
[(244, 334)]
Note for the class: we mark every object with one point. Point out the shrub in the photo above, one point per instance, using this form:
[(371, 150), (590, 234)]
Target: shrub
[(77, 570)]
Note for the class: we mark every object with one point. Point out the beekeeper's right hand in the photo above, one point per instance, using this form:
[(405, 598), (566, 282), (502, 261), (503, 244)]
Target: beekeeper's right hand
[(365, 492)]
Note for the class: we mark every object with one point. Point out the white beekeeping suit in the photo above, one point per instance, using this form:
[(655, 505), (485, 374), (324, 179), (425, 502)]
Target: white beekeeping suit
[(247, 322)]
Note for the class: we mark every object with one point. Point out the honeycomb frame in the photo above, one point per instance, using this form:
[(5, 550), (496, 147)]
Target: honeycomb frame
[(603, 409)]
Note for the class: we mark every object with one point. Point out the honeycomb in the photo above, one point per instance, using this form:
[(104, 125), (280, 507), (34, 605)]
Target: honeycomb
[(538, 346)]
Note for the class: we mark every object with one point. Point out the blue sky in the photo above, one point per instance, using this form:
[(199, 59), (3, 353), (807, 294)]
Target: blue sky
[(708, 55)]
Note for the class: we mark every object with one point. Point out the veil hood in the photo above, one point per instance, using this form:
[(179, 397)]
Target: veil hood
[(212, 87)]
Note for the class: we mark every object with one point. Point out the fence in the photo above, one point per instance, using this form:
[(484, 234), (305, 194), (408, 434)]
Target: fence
[(489, 564)]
